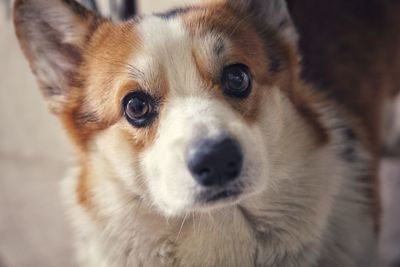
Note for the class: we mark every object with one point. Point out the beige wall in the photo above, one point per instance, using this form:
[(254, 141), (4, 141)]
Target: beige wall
[(147, 6)]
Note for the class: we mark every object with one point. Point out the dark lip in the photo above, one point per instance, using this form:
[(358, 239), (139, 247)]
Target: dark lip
[(226, 194)]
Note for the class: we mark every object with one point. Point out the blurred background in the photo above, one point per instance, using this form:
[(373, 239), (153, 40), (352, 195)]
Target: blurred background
[(34, 156)]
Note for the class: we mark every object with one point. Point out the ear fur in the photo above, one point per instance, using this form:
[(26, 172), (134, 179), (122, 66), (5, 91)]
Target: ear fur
[(270, 14), (52, 35)]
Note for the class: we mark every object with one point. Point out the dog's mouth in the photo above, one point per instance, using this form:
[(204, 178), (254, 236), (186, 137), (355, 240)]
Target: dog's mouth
[(221, 196)]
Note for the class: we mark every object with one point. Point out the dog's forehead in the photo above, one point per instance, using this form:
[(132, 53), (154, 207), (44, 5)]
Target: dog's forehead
[(171, 51)]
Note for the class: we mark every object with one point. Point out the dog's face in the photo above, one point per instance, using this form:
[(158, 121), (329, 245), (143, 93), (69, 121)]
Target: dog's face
[(184, 109)]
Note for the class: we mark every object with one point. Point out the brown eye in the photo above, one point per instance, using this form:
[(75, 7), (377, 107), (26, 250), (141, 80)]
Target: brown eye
[(139, 108), (236, 80)]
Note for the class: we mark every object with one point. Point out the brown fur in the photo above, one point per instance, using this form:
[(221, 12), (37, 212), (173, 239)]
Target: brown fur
[(101, 97), (250, 49), (108, 80)]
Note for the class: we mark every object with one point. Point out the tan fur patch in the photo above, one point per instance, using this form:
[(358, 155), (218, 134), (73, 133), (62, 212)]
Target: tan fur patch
[(97, 105), (83, 189), (245, 44), (250, 49)]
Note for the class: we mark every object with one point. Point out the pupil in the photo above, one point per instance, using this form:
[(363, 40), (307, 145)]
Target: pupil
[(236, 79), (139, 109), (138, 106)]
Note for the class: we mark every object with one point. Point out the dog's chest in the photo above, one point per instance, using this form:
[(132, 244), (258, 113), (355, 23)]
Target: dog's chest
[(195, 241), (226, 239)]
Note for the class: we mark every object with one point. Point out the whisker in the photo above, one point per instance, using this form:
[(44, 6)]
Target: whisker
[(194, 223), (180, 229), (216, 226), (198, 226)]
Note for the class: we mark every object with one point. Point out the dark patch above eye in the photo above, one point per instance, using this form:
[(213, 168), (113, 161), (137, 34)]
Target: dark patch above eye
[(172, 13), (350, 134), (349, 152), (276, 62), (219, 47)]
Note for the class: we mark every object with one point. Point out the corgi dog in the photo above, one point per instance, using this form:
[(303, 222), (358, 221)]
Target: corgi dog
[(198, 142)]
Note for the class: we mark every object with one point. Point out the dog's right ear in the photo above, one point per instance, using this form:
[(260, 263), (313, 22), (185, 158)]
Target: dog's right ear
[(268, 14), (52, 35)]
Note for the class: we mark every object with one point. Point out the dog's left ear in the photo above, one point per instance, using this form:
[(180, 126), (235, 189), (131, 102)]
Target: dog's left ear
[(269, 14), (53, 35)]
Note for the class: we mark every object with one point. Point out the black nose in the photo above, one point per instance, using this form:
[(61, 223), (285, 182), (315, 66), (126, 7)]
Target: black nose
[(215, 161)]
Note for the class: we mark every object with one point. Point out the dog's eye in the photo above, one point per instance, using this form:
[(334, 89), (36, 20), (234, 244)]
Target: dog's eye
[(139, 108), (236, 80)]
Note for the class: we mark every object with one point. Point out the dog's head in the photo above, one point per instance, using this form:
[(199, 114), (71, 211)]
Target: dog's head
[(186, 109)]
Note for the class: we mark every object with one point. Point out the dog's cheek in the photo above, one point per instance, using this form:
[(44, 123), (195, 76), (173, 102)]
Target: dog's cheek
[(256, 165), (114, 151), (261, 139)]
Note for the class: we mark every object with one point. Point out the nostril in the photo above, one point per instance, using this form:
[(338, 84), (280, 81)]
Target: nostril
[(232, 169), (215, 161), (204, 172), (232, 165)]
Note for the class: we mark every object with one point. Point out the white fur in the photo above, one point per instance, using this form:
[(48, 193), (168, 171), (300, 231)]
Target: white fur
[(302, 204)]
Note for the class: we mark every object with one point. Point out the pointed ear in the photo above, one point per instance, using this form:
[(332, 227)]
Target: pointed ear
[(52, 35), (269, 14)]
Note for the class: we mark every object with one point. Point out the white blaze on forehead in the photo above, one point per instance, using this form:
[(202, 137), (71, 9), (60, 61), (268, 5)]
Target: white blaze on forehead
[(210, 48), (167, 51)]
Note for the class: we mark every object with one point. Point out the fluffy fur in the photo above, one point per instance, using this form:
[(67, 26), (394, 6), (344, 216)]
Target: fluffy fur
[(132, 200)]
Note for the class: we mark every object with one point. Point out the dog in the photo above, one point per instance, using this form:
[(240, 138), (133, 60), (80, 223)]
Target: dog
[(198, 141)]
